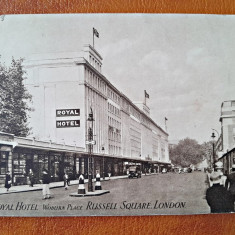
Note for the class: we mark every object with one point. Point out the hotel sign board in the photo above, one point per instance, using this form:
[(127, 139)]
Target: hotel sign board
[(67, 112), (67, 123)]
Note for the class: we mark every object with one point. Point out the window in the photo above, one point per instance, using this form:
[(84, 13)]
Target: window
[(3, 162), (227, 104)]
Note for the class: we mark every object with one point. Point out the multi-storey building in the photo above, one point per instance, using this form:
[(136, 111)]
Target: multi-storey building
[(65, 88), (227, 120), (225, 145)]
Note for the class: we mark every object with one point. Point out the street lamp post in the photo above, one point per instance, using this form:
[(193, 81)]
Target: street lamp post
[(213, 148), (103, 163), (90, 146)]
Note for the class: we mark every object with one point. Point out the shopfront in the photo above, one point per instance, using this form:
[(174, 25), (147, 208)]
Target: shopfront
[(56, 163)]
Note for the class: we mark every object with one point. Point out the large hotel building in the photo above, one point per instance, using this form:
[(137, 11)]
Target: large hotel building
[(65, 88)]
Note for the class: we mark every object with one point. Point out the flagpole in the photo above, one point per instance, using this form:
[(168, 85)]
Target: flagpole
[(145, 97), (93, 39), (165, 123)]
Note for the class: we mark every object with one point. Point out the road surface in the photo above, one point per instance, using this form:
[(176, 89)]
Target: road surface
[(170, 193)]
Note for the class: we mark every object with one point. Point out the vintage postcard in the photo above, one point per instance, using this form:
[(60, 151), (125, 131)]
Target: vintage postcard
[(117, 114)]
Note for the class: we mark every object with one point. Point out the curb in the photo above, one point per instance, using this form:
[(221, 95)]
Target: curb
[(38, 188)]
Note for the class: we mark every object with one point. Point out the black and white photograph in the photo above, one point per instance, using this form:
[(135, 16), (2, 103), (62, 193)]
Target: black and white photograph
[(117, 114)]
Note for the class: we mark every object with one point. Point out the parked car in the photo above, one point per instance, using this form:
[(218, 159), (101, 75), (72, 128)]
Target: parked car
[(134, 171), (190, 170), (164, 170)]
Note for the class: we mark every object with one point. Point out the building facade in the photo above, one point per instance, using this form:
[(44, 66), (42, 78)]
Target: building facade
[(227, 120), (225, 145), (65, 88)]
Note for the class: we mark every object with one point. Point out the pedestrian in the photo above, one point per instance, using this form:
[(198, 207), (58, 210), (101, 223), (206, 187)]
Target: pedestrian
[(31, 178), (8, 180), (218, 168), (218, 198), (66, 180), (230, 182), (45, 188)]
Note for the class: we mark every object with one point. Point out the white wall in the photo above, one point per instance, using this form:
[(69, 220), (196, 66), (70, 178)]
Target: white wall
[(57, 88)]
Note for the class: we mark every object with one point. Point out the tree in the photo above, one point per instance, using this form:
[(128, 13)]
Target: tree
[(14, 99), (186, 152), (208, 151)]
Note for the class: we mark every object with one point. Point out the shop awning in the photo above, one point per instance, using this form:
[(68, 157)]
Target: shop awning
[(13, 144)]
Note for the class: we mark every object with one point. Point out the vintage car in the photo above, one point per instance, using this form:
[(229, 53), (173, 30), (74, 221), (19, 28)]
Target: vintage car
[(134, 172), (190, 170)]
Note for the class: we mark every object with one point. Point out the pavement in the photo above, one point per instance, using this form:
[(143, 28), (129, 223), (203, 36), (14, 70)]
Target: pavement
[(37, 187)]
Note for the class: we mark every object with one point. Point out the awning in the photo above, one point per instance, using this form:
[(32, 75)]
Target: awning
[(13, 144)]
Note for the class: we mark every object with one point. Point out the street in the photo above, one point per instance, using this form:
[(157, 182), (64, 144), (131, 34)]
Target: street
[(170, 193)]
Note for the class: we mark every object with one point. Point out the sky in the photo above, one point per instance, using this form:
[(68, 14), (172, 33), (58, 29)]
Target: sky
[(185, 62)]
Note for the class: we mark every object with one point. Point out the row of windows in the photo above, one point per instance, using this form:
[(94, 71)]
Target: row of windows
[(135, 144), (114, 123), (95, 81), (229, 103), (125, 105), (95, 63), (135, 113), (114, 110), (114, 150), (145, 121), (135, 133), (113, 96), (101, 86), (115, 136), (155, 147)]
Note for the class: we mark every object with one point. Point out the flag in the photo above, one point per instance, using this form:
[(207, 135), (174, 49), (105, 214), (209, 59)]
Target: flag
[(95, 32), (166, 119), (146, 94)]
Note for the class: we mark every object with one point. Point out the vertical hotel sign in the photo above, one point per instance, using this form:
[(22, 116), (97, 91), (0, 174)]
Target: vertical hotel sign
[(67, 113)]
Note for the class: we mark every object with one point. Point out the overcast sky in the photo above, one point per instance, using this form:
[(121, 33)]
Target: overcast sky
[(185, 62)]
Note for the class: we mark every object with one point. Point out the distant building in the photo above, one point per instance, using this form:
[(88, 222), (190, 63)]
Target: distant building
[(226, 140), (225, 146), (227, 120), (173, 143)]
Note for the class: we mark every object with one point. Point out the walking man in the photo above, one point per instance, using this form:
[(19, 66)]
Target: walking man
[(218, 198), (8, 180), (45, 187), (66, 180), (31, 178), (219, 168)]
